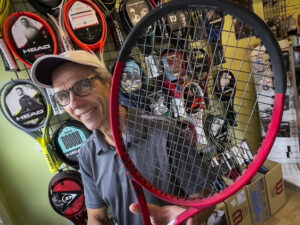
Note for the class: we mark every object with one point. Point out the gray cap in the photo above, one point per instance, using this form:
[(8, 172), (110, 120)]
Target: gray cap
[(42, 68)]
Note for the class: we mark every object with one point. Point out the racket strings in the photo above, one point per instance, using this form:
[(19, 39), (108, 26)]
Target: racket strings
[(209, 143)]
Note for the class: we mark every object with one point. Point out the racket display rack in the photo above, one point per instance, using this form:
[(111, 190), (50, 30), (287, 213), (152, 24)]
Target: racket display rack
[(110, 55)]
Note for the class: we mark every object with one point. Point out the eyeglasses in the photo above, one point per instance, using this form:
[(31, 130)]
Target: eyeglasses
[(81, 88)]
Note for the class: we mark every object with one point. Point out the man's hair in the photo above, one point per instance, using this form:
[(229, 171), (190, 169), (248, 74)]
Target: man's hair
[(19, 88)]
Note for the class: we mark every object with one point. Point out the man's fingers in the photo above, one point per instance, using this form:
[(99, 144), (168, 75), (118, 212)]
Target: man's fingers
[(153, 209), (135, 208)]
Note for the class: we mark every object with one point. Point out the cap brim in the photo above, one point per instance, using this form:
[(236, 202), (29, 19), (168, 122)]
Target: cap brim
[(43, 67), (41, 71)]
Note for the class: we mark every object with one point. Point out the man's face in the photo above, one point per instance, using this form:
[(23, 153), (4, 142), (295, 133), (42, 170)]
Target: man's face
[(24, 22), (19, 91), (91, 110)]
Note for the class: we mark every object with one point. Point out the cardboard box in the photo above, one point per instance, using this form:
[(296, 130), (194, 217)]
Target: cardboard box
[(258, 200), (238, 208), (274, 186), (219, 216)]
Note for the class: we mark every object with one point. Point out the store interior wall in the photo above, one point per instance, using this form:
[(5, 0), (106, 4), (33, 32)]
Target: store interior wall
[(24, 174)]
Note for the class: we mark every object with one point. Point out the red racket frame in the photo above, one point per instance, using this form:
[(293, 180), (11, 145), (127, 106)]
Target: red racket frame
[(87, 47), (196, 205), (8, 36)]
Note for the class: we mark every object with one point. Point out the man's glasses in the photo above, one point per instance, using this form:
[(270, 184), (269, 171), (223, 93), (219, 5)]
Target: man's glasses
[(81, 88)]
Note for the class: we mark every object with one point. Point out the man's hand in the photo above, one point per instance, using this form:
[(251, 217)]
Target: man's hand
[(163, 215)]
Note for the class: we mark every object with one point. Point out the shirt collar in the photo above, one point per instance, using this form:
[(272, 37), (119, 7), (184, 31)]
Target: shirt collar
[(133, 133), (100, 144)]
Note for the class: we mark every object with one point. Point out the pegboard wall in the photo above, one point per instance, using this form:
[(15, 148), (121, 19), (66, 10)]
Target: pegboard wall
[(110, 56)]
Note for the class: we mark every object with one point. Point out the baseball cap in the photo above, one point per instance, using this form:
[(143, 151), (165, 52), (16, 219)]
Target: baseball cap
[(42, 68)]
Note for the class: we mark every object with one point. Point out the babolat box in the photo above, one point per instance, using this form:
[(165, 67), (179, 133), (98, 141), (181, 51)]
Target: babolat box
[(258, 199), (274, 186), (238, 209), (219, 216)]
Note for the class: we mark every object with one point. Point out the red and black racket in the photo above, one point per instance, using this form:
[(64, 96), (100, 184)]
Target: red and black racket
[(29, 36), (65, 192), (86, 24), (182, 174), (7, 57)]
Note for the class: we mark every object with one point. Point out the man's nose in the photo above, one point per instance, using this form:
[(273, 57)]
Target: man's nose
[(75, 101)]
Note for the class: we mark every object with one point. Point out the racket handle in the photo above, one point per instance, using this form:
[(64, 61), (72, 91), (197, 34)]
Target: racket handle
[(142, 202), (190, 212), (79, 219), (52, 162), (115, 32), (7, 58)]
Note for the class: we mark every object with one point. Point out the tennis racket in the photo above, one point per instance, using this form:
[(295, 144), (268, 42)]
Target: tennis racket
[(132, 11), (181, 174), (27, 108), (29, 36), (65, 192), (7, 57), (68, 139), (54, 10), (86, 24), (108, 8)]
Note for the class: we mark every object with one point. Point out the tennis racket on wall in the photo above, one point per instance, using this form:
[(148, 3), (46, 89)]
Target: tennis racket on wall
[(67, 140), (54, 11), (132, 11), (29, 36), (65, 192), (198, 178), (86, 24), (109, 9), (7, 57), (27, 108)]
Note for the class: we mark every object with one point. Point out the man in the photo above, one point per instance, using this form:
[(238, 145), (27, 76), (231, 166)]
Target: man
[(82, 85)]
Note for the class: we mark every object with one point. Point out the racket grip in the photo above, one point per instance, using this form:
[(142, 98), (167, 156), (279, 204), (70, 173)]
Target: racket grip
[(7, 57), (190, 212), (142, 202), (53, 164), (115, 32)]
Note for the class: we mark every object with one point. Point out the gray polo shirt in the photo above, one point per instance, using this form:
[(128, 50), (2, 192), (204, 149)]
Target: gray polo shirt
[(148, 143), (105, 180)]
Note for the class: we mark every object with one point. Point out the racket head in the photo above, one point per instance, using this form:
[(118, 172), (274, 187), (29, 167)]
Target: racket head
[(261, 35), (132, 11), (68, 139), (46, 7), (25, 105), (89, 33), (65, 192), (38, 40)]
